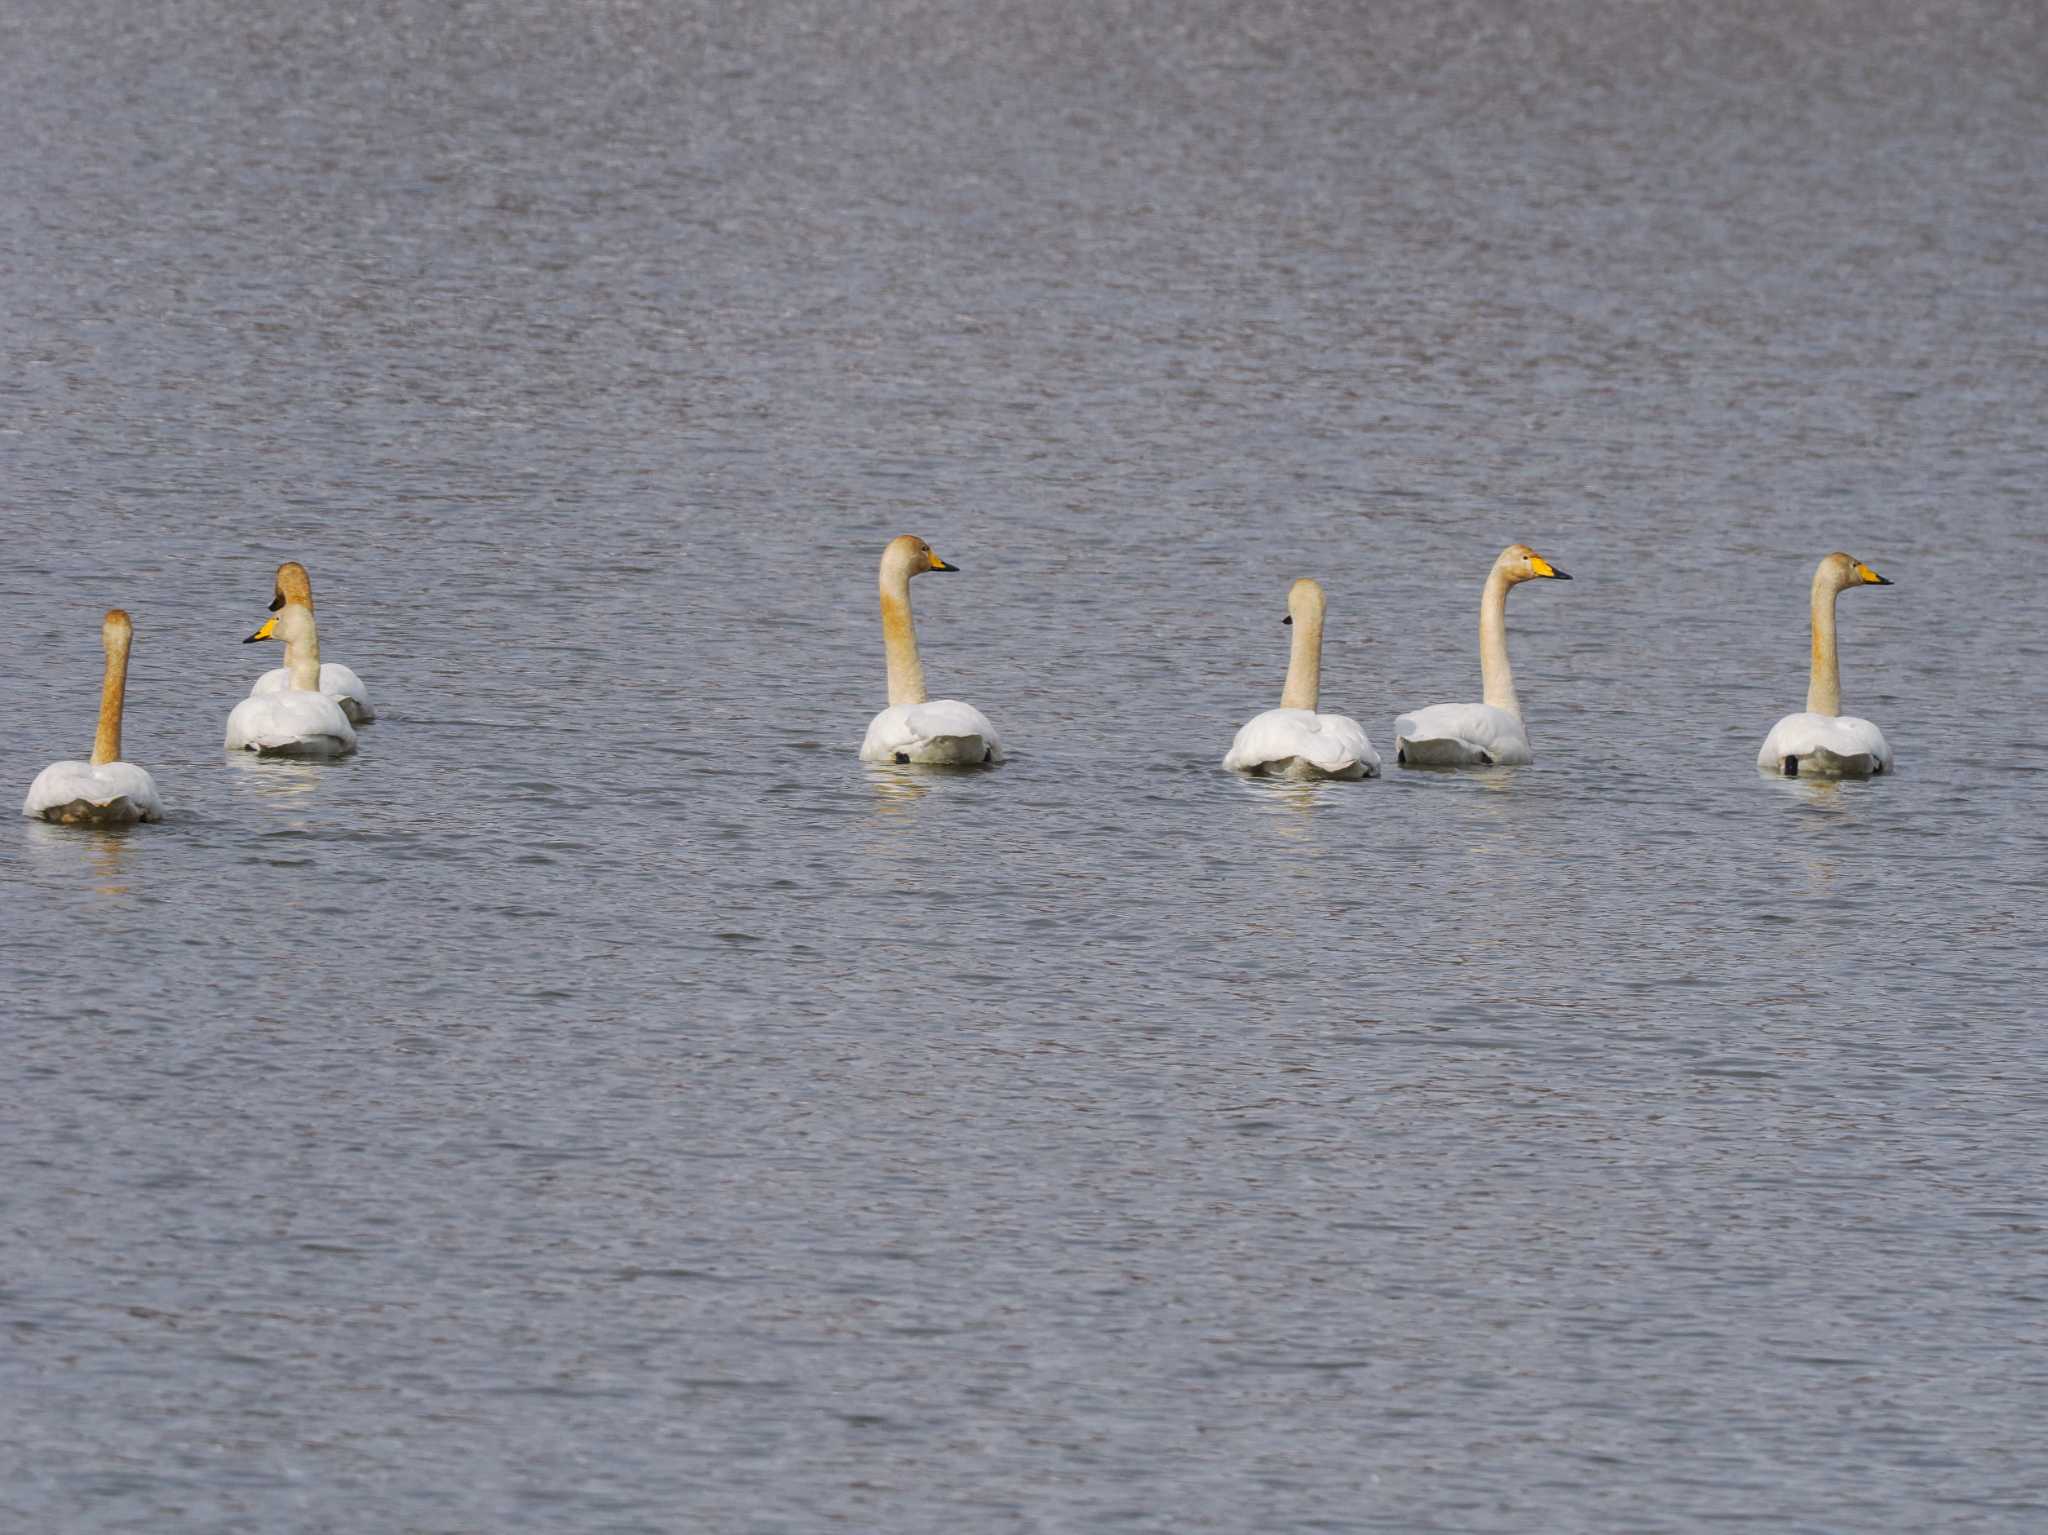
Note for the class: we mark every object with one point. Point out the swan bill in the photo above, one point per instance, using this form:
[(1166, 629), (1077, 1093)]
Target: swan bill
[(1543, 567), (269, 628)]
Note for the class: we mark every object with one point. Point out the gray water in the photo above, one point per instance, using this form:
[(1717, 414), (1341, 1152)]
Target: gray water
[(605, 1104)]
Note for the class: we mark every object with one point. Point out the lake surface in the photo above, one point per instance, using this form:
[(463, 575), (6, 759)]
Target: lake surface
[(605, 1104)]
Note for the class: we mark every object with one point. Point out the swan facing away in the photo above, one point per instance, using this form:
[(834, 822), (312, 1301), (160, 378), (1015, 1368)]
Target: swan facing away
[(1293, 741), (105, 791), (1821, 740), (338, 682), (1462, 735), (941, 731), (298, 721)]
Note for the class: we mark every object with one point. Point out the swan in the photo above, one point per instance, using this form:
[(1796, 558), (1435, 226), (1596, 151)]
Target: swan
[(1457, 735), (105, 791), (1293, 741), (298, 721), (912, 729), (338, 682), (1822, 740)]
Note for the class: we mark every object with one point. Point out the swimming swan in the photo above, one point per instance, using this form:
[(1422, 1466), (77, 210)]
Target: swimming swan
[(1293, 741), (299, 721), (338, 682), (943, 730), (1456, 735), (105, 791), (1822, 740)]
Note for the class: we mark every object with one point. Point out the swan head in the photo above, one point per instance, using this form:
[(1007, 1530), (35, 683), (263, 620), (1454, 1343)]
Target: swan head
[(1518, 563), (292, 623), (293, 585), (1838, 572), (911, 556), (1304, 601), (116, 631)]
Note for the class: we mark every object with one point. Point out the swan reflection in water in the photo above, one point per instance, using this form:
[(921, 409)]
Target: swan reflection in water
[(110, 853), (291, 781), (896, 789)]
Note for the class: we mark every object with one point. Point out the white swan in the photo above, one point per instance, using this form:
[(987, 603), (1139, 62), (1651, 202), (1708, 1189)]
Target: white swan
[(1293, 741), (105, 791), (338, 682), (1458, 735), (1822, 740), (912, 729), (299, 721)]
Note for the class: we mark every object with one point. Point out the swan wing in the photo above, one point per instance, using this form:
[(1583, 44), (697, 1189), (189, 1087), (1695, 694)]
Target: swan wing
[(1838, 744), (338, 682), (341, 684), (310, 724), (104, 786), (1459, 734), (1334, 745), (942, 730)]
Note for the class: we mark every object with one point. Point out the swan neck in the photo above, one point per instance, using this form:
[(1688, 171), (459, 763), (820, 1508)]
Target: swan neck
[(1304, 664), (1494, 672), (899, 639), (302, 652), (1824, 687), (106, 742)]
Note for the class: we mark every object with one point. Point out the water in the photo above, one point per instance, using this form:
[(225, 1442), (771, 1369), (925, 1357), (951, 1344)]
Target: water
[(605, 1104)]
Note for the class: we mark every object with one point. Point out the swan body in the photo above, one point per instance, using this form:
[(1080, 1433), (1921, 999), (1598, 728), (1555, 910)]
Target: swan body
[(943, 732), (1825, 745), (1300, 743), (298, 720), (1820, 740), (338, 682), (1489, 733), (93, 794), (1462, 735), (1294, 741), (105, 791)]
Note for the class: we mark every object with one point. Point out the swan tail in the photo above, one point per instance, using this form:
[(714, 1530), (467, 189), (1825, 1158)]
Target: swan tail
[(1439, 751), (84, 812), (1822, 763), (950, 751)]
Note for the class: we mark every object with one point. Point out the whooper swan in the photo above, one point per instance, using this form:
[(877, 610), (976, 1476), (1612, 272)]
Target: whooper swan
[(1458, 735), (914, 729), (1293, 741), (1822, 740), (338, 682), (105, 791), (300, 721)]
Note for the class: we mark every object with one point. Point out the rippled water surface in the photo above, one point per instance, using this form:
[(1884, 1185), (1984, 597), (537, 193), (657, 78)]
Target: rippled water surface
[(605, 1104)]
